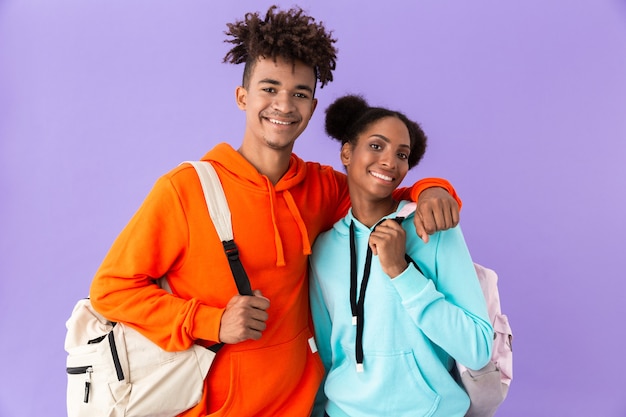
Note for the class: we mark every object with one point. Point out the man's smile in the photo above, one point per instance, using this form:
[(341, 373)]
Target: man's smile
[(279, 122)]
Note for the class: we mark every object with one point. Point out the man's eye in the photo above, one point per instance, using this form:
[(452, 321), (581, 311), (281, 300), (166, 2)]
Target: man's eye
[(269, 89), (301, 95)]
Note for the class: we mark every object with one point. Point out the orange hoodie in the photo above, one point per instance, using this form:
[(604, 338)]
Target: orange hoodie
[(274, 226)]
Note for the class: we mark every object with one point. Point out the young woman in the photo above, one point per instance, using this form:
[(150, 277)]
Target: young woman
[(391, 312)]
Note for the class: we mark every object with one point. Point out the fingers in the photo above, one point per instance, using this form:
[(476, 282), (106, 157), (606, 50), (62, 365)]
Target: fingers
[(456, 216), (420, 229), (435, 217), (258, 293), (387, 231), (244, 318), (436, 211), (388, 242)]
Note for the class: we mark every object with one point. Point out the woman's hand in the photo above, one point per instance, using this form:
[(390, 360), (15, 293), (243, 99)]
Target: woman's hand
[(388, 242)]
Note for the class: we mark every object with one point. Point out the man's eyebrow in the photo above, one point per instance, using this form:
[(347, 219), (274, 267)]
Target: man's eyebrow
[(269, 81), (276, 82), (304, 87)]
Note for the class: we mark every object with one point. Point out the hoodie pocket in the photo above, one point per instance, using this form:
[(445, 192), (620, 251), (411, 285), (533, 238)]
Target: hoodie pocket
[(292, 369), (391, 384)]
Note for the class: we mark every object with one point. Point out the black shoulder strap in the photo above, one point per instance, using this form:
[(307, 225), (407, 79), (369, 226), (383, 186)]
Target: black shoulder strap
[(239, 273), (406, 255), (220, 215)]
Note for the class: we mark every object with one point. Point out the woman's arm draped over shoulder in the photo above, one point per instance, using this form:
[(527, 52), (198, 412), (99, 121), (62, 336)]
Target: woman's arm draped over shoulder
[(438, 205)]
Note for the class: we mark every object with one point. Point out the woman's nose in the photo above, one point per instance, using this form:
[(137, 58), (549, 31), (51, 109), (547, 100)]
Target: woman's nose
[(388, 159)]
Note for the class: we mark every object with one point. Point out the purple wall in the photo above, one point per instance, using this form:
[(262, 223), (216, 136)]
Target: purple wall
[(524, 104)]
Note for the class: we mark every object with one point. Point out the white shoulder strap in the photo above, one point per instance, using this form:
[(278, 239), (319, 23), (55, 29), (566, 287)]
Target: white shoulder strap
[(220, 214), (215, 199)]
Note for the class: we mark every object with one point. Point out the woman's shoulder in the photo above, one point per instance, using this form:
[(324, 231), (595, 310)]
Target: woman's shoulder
[(332, 240)]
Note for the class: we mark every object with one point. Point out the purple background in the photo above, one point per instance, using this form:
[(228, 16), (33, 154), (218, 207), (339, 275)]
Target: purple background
[(524, 104)]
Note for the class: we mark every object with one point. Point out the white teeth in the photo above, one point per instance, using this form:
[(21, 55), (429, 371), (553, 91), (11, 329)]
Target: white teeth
[(278, 122), (381, 176)]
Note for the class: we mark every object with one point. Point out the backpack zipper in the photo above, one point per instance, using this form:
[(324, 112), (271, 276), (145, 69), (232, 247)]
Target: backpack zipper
[(87, 370)]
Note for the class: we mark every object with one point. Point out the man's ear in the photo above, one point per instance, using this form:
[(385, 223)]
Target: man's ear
[(346, 154), (241, 96)]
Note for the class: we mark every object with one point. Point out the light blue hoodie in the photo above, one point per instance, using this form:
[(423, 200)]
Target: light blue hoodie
[(415, 325)]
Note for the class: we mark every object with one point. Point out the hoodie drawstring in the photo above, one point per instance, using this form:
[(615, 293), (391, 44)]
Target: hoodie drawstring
[(293, 208), (357, 305), (280, 253)]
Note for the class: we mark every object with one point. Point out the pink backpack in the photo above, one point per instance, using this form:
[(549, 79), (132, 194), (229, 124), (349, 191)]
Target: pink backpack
[(488, 387)]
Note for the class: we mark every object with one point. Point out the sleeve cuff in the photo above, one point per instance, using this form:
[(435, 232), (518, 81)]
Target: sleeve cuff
[(410, 283), (425, 183), (206, 323)]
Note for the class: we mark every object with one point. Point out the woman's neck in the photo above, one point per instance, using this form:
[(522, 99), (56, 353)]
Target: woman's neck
[(369, 212)]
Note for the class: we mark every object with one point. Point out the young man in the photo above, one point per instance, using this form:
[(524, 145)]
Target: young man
[(279, 205)]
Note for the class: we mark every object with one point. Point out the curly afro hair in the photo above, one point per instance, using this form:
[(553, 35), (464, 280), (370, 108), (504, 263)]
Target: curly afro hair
[(290, 34), (348, 116)]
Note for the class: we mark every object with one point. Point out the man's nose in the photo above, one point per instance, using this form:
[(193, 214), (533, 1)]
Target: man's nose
[(283, 102)]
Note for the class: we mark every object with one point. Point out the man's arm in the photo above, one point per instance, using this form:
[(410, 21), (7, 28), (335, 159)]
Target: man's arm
[(152, 245), (438, 205)]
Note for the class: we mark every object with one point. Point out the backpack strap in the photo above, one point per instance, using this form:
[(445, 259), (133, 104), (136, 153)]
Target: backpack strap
[(402, 214), (220, 214)]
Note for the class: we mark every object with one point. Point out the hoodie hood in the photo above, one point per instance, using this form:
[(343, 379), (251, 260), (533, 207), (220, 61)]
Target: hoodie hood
[(225, 158), (406, 210)]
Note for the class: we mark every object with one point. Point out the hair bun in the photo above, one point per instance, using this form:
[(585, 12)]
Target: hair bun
[(342, 114)]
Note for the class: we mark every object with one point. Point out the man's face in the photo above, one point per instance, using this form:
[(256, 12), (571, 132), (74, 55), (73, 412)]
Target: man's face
[(278, 102)]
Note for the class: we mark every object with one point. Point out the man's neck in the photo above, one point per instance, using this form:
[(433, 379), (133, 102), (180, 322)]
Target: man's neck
[(273, 163)]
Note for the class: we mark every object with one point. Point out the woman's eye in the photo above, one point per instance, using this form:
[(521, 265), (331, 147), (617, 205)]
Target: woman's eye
[(403, 156), (375, 146)]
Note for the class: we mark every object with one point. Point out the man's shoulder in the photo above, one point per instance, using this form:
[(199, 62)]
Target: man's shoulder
[(320, 170), (313, 165), (180, 173)]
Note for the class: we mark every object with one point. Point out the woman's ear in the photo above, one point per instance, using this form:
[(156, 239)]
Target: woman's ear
[(346, 154), (241, 96)]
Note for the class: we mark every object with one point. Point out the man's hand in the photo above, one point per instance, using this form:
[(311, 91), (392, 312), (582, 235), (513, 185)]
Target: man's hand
[(388, 242), (244, 318), (436, 210)]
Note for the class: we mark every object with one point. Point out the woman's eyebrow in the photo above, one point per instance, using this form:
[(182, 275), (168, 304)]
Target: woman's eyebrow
[(386, 139)]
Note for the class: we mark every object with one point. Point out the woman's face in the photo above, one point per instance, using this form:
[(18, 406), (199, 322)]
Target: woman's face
[(378, 162)]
